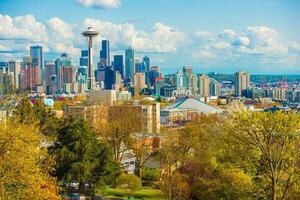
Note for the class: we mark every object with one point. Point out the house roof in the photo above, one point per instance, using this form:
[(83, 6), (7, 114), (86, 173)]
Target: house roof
[(191, 103)]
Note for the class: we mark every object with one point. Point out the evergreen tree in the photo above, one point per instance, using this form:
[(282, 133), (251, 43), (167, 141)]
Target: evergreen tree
[(82, 158)]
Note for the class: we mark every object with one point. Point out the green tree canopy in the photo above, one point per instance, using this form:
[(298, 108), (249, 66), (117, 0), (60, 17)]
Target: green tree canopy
[(81, 157)]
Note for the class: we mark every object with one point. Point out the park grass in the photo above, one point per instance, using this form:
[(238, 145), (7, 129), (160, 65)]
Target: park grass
[(146, 193)]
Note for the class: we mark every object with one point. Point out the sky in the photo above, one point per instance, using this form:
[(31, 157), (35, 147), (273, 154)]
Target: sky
[(259, 36)]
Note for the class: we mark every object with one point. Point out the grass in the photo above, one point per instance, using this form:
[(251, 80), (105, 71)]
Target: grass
[(146, 193)]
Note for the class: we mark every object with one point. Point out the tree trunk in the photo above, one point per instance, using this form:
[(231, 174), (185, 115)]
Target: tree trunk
[(81, 186), (273, 190)]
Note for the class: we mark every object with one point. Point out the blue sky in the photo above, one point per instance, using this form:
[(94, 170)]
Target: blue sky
[(260, 36)]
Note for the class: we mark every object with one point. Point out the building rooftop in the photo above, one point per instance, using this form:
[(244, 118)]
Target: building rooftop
[(191, 103)]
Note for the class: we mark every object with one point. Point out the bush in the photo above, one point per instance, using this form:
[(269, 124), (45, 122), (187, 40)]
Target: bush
[(129, 182), (151, 174)]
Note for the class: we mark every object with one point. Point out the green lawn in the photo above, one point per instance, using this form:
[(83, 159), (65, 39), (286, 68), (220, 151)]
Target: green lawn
[(146, 193)]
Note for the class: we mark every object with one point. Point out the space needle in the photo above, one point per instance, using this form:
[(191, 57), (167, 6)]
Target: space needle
[(90, 34)]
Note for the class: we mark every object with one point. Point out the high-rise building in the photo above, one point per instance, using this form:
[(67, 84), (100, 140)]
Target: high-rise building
[(193, 83), (109, 79), (204, 85), (68, 74), (129, 63), (104, 54), (139, 80), (14, 67), (214, 87), (146, 63), (36, 53), (139, 67), (119, 64), (27, 81), (242, 82), (118, 81), (50, 74), (153, 74), (84, 58), (63, 61)]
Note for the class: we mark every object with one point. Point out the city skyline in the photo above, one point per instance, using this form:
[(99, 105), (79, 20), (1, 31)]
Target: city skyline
[(265, 41)]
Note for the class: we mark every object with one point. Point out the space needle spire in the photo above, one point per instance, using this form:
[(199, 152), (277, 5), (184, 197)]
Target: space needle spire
[(90, 34)]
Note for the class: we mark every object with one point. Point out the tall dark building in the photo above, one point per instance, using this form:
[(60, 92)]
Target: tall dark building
[(119, 64), (104, 54), (109, 79), (129, 63), (146, 63), (84, 58)]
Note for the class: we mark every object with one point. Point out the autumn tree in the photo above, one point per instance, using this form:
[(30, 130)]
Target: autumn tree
[(123, 122), (267, 145), (24, 164), (27, 113)]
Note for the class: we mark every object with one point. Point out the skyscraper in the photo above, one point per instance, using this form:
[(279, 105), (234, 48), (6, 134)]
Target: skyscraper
[(153, 74), (15, 68), (214, 87), (109, 79), (139, 67), (139, 80), (63, 61), (119, 64), (27, 74), (129, 63), (36, 53), (84, 58), (146, 63), (204, 85), (242, 82), (83, 66), (50, 77), (104, 54)]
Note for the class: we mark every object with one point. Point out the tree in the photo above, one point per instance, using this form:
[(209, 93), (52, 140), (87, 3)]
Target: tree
[(175, 186), (81, 157), (145, 146), (46, 120), (24, 164), (268, 144), (123, 122)]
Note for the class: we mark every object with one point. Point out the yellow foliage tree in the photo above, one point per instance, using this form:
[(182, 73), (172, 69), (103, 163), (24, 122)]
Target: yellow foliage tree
[(24, 164)]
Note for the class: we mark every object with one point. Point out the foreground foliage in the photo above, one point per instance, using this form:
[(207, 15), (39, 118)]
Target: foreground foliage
[(81, 158), (24, 164)]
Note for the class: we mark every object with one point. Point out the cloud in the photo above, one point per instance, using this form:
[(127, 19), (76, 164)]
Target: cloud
[(227, 33), (25, 27), (254, 44), (161, 38), (100, 3), (242, 41)]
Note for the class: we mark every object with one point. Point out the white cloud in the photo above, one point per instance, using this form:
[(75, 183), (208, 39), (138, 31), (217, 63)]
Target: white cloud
[(162, 38), (25, 27), (61, 37), (265, 40), (100, 3), (204, 54), (227, 33), (242, 41), (295, 46), (261, 44)]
